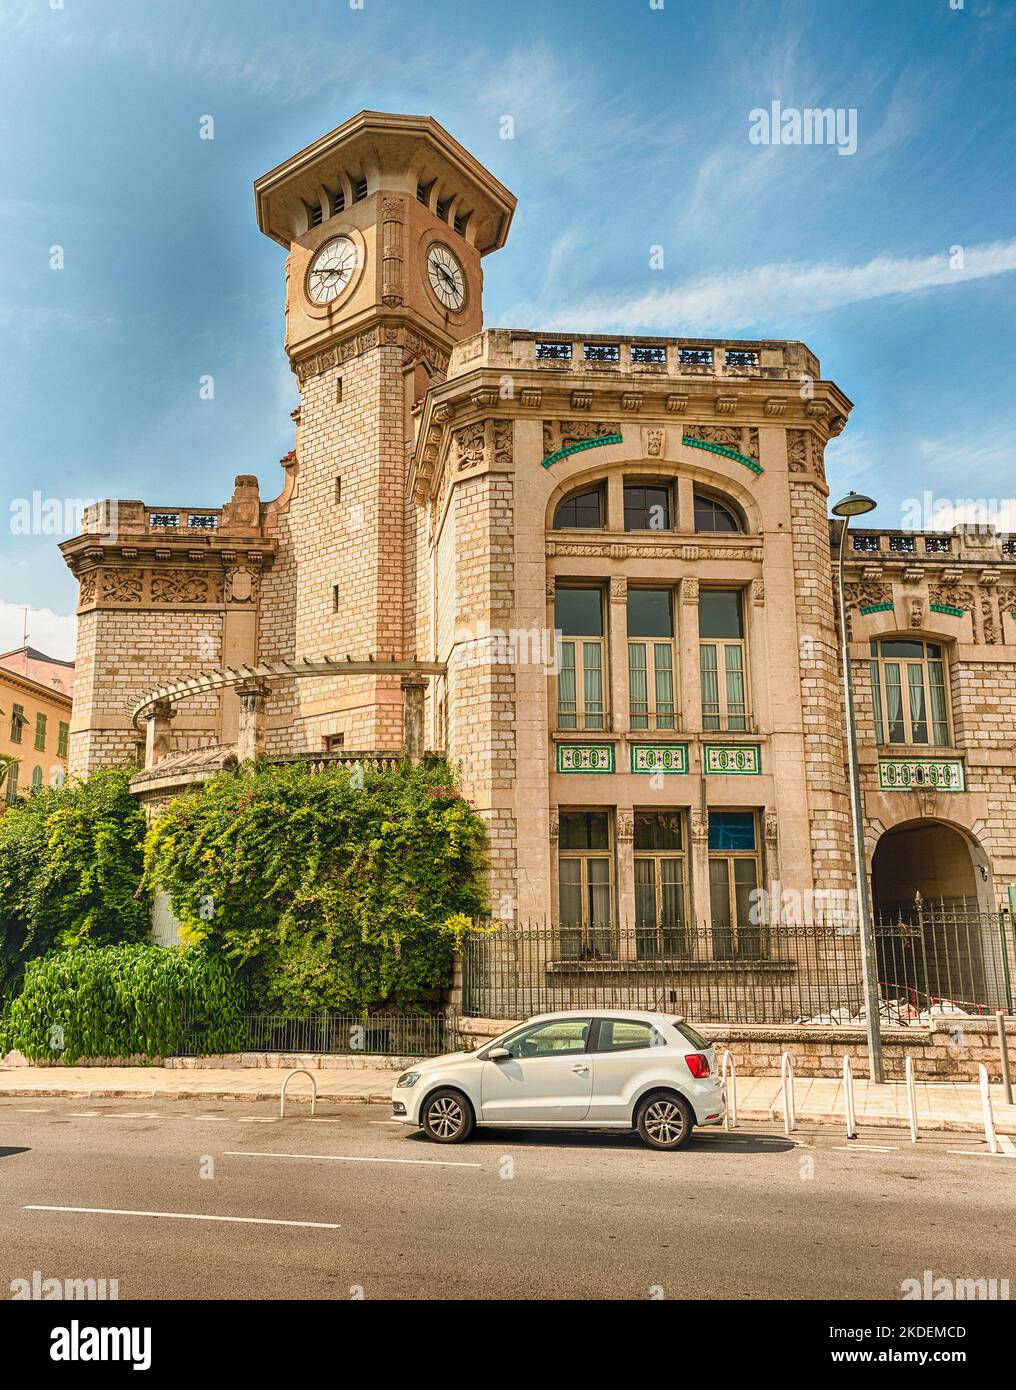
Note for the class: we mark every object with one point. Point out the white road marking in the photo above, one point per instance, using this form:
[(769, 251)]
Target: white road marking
[(34, 1112), (190, 1216), (867, 1148), (347, 1158), (979, 1153), (83, 1115), (136, 1115), (1006, 1144), (315, 1120), (257, 1119)]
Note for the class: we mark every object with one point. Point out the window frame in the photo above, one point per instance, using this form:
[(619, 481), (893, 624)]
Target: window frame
[(725, 504), (63, 738), (665, 485), (41, 729), (656, 1037), (585, 721), (600, 489), (526, 1028), (649, 646), (755, 936), (722, 675), (18, 722), (593, 941), (681, 946), (877, 662)]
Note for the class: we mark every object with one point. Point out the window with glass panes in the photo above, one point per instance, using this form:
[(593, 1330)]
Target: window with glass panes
[(581, 678), (909, 692), (586, 884), (734, 875), (660, 884), (583, 511), (722, 659), (646, 507), (713, 515), (651, 659)]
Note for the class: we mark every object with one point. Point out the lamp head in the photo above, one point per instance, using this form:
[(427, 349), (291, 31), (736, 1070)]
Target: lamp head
[(854, 504)]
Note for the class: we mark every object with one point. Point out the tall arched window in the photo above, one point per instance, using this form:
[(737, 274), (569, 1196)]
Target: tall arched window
[(713, 515)]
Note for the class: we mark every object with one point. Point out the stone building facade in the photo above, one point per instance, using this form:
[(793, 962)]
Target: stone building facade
[(595, 571)]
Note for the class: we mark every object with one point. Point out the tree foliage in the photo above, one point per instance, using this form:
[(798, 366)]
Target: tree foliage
[(340, 889), (71, 867)]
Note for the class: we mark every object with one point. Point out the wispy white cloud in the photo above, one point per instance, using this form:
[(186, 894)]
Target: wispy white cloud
[(785, 292), (52, 633)]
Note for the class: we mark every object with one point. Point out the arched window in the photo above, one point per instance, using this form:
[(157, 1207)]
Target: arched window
[(582, 511), (713, 515)]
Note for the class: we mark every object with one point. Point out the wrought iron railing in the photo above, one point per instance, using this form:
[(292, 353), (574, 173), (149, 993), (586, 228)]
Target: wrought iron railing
[(943, 963), (407, 1033)]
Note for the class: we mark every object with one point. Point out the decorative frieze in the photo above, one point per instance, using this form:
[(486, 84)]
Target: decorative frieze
[(585, 757), (913, 774), (564, 437), (651, 759), (732, 759)]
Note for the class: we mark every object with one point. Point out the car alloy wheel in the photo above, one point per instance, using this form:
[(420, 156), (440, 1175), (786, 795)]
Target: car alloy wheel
[(447, 1117), (665, 1122)]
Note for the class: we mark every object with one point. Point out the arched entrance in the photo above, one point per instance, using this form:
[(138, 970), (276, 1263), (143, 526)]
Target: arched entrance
[(936, 938)]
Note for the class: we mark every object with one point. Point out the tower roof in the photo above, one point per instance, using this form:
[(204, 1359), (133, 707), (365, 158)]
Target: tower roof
[(377, 150)]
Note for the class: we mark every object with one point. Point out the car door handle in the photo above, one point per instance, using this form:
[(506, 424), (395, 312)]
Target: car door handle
[(578, 1067)]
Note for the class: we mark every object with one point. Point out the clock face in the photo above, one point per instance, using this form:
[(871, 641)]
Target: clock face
[(331, 270), (447, 278)]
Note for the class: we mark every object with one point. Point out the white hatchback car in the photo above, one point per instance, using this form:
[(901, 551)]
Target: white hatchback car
[(592, 1069)]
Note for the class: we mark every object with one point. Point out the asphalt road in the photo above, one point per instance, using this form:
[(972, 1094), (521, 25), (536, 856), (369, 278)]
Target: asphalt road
[(508, 1216)]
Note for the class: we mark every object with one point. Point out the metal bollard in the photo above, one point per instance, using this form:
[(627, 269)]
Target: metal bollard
[(730, 1117), (787, 1079), (848, 1098), (989, 1119), (911, 1098), (1003, 1048)]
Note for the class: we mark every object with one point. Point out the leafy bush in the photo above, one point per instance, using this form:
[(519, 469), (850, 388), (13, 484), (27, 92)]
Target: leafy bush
[(117, 1001), (339, 889), (71, 862)]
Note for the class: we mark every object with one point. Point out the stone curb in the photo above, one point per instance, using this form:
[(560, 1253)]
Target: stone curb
[(766, 1116)]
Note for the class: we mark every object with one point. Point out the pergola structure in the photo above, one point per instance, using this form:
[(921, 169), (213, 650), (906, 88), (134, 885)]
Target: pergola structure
[(252, 684)]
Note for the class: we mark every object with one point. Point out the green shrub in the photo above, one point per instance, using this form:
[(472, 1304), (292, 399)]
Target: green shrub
[(118, 1001), (339, 889), (71, 865)]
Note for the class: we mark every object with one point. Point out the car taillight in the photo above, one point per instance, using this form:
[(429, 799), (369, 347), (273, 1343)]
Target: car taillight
[(698, 1064)]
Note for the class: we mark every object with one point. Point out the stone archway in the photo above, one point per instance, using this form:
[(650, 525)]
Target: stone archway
[(935, 938)]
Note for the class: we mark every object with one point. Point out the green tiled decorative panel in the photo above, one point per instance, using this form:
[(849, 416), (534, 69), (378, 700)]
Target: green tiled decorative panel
[(908, 774), (585, 757), (659, 757), (732, 759)]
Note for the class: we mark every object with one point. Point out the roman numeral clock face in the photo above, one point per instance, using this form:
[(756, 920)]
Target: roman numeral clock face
[(331, 270), (447, 278)]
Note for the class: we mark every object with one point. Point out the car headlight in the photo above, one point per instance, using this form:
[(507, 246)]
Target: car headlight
[(408, 1078)]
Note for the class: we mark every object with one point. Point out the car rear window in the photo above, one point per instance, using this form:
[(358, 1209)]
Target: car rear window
[(696, 1039)]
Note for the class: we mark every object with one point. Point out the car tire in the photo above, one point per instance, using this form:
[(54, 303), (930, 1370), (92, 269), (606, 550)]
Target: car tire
[(664, 1120), (447, 1117)]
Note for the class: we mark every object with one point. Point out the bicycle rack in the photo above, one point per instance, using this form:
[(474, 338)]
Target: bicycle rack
[(299, 1071), (848, 1098), (989, 1118), (787, 1080), (730, 1117), (911, 1098)]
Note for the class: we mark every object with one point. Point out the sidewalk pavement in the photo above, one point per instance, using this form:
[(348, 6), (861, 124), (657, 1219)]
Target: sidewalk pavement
[(947, 1105)]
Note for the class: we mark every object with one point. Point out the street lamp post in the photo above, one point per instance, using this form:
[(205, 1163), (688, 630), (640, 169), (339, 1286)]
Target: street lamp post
[(854, 504)]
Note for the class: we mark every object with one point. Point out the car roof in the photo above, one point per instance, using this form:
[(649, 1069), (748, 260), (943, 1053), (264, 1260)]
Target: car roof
[(640, 1015)]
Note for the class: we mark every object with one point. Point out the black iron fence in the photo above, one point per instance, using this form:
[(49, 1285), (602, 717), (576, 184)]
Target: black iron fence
[(396, 1034), (941, 961)]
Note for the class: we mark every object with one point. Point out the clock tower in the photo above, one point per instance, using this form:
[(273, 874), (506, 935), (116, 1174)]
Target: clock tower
[(385, 221)]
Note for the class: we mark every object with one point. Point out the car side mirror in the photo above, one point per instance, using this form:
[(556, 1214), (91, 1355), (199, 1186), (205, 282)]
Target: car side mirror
[(498, 1054)]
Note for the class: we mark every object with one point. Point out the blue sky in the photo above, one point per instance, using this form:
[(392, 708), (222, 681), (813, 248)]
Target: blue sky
[(631, 130)]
